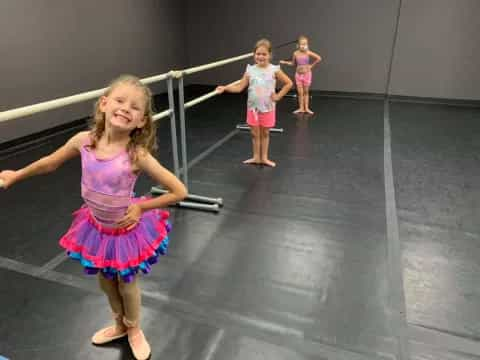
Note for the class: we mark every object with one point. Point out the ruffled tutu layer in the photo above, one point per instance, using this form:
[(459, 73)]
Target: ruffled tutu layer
[(117, 252)]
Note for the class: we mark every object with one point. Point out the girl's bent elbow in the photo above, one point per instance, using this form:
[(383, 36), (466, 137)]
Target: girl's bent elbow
[(182, 194)]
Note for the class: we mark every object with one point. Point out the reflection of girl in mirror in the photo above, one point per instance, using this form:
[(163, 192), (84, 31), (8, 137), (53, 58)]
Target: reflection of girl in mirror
[(303, 74), (260, 80)]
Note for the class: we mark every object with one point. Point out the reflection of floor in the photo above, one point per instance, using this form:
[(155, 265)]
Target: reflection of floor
[(297, 265)]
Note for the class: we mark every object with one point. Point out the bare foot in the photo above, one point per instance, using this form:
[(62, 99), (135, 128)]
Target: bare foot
[(308, 111), (252, 161), (299, 111), (269, 163)]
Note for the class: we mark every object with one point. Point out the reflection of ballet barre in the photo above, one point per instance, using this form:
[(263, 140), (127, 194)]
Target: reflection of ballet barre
[(247, 127), (294, 95)]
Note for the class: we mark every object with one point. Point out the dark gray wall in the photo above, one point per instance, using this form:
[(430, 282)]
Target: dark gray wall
[(438, 51), (436, 54), (55, 48), (354, 37)]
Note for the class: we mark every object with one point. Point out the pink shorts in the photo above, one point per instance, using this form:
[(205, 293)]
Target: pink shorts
[(303, 79), (265, 119)]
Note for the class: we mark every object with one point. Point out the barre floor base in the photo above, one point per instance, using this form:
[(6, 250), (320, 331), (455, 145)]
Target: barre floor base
[(247, 127)]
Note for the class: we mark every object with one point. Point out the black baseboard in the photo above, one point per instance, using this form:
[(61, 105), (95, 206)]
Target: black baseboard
[(434, 101), (194, 90), (347, 95)]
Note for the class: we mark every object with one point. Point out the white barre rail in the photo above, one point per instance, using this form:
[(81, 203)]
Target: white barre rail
[(162, 115), (68, 100), (89, 95), (196, 69)]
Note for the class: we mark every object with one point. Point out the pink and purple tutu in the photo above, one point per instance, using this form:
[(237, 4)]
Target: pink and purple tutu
[(117, 251)]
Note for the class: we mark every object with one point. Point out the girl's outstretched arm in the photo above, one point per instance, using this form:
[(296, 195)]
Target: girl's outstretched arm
[(289, 63), (46, 164), (235, 87)]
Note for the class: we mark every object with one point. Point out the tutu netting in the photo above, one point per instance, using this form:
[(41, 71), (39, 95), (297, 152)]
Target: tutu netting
[(117, 251)]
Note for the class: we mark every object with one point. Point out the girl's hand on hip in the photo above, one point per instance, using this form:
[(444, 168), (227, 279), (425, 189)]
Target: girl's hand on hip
[(132, 217)]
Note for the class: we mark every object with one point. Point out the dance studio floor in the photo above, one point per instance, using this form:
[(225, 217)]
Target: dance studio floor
[(363, 243)]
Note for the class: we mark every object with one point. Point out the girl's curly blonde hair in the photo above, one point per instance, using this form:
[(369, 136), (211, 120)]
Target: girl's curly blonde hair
[(141, 138)]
